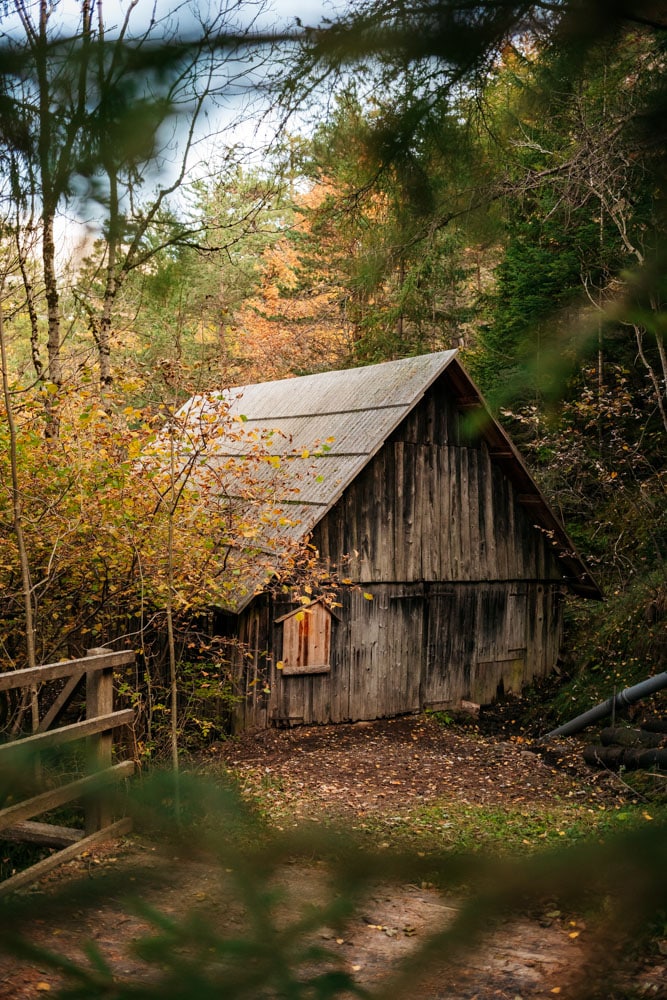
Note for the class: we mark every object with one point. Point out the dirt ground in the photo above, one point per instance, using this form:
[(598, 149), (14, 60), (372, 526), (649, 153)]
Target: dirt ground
[(359, 774), (390, 765)]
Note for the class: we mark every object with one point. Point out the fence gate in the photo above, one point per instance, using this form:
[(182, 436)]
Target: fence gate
[(17, 819)]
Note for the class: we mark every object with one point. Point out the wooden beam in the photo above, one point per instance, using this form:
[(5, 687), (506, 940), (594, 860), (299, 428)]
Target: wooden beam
[(42, 867), (306, 668), (66, 734), (56, 797), (65, 668), (60, 703), (468, 402), (47, 834), (99, 702)]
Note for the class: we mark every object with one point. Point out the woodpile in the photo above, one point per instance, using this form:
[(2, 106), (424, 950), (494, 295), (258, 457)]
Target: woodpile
[(633, 749)]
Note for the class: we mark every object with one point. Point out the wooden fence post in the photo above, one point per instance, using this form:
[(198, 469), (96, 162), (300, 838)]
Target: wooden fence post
[(99, 701), (16, 818)]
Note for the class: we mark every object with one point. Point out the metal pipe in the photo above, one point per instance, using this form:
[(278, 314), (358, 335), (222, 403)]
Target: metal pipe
[(627, 697)]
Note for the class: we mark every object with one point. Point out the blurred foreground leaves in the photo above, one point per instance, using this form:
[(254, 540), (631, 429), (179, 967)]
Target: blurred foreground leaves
[(259, 943)]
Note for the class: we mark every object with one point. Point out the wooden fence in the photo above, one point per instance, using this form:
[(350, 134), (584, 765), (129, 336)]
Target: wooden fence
[(16, 820)]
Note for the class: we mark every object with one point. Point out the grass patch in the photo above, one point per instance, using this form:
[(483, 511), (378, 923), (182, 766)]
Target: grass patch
[(505, 831), (451, 824)]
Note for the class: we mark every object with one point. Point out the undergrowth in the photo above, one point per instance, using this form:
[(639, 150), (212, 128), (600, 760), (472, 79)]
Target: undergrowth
[(615, 644)]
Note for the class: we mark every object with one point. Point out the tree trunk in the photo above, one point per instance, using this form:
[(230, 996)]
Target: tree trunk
[(173, 677), (17, 524), (53, 342), (49, 207)]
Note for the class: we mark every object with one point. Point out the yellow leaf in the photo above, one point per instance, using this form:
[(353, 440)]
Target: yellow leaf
[(279, 665), (369, 597), (556, 989), (346, 581), (573, 934), (305, 453), (43, 987), (300, 615), (647, 815)]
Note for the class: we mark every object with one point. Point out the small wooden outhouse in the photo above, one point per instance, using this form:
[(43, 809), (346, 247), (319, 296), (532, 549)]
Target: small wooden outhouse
[(455, 564)]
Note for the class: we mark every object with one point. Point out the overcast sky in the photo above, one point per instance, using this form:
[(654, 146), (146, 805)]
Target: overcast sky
[(278, 14), (67, 12)]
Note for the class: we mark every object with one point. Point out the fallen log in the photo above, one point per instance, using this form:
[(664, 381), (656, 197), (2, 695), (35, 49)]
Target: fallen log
[(623, 736), (655, 725), (633, 759)]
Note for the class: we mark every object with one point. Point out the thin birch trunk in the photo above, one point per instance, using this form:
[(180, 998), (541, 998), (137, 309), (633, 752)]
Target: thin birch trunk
[(17, 522), (170, 627)]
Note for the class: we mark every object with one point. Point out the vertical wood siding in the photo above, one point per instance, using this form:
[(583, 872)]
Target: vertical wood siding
[(466, 590)]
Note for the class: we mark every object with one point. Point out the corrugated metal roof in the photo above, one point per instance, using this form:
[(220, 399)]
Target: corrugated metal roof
[(393, 384), (326, 427), (353, 432)]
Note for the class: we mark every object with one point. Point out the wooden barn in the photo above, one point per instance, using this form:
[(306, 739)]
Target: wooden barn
[(457, 564)]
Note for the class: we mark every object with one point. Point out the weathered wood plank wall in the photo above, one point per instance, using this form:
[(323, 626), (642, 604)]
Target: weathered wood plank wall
[(465, 587)]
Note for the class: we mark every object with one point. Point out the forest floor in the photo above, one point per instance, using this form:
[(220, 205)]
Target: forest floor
[(408, 782)]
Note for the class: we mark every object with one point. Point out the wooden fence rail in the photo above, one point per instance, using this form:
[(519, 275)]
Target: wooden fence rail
[(16, 820)]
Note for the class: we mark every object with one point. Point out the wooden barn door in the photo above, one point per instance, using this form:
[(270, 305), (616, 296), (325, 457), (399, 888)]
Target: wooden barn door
[(476, 642), (499, 665), (450, 614), (385, 651)]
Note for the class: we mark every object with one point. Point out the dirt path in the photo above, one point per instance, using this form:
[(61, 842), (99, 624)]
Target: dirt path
[(361, 775), (521, 959)]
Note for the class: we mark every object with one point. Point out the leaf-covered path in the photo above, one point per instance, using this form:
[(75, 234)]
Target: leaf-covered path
[(390, 779)]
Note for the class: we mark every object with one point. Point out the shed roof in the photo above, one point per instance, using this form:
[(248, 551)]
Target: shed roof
[(325, 428)]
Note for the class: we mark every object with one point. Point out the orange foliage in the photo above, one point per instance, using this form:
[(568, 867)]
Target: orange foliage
[(296, 322)]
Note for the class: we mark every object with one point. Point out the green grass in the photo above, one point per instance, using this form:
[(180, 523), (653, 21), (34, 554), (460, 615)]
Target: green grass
[(454, 825), (504, 831)]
